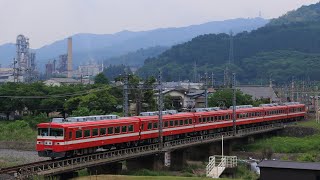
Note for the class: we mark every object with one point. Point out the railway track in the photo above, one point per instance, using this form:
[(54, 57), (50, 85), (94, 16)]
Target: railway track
[(62, 165), (13, 169)]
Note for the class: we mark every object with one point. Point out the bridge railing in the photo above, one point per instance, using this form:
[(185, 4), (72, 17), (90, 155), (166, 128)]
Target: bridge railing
[(81, 162)]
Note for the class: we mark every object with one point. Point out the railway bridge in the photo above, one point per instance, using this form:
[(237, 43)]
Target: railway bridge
[(149, 156)]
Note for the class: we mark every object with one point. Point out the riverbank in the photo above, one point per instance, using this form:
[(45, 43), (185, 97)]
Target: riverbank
[(297, 142)]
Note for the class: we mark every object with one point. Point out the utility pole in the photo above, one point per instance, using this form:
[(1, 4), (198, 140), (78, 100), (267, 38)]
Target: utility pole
[(316, 107), (125, 94), (206, 89), (271, 90), (292, 90), (160, 107), (212, 80), (234, 103)]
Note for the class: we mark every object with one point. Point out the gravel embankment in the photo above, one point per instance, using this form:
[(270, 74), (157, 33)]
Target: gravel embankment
[(19, 157)]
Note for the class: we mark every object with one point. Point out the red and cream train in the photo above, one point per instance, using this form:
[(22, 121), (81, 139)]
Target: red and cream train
[(82, 135)]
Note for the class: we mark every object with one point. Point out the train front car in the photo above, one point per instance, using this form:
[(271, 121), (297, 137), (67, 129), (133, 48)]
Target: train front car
[(50, 140), (296, 111)]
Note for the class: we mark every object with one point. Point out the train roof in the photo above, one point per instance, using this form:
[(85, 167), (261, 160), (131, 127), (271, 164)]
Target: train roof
[(122, 120)]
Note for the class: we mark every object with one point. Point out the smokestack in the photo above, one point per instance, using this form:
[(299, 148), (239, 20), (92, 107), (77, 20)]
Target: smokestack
[(70, 57)]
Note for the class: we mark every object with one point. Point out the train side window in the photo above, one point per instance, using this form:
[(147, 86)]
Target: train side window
[(190, 121), (123, 129), (110, 130), (95, 132), (155, 125), (181, 122), (208, 119), (79, 134), (142, 127), (149, 126), (176, 123), (102, 131), (117, 130), (166, 124), (200, 120), (211, 119), (171, 123), (70, 135), (130, 128), (222, 118), (87, 133), (186, 121)]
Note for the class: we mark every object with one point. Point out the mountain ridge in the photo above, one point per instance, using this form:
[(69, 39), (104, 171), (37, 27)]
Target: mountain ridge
[(103, 46), (210, 52)]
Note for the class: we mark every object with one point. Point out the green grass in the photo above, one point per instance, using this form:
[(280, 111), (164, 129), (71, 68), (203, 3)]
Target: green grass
[(121, 177), (309, 123), (287, 144), (17, 131)]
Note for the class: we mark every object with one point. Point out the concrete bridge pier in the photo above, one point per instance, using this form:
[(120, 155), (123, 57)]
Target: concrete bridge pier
[(110, 168), (178, 159), (63, 176), (151, 162)]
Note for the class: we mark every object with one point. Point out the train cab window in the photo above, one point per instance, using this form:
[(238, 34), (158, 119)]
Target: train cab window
[(79, 134), (171, 123), (102, 131), (110, 130), (117, 130), (186, 121), (155, 125), (56, 132), (70, 135), (176, 123), (94, 132), (190, 121), (87, 133), (149, 126), (123, 129), (130, 128), (166, 124)]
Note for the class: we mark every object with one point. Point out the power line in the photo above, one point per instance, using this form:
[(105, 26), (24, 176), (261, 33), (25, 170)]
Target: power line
[(57, 95)]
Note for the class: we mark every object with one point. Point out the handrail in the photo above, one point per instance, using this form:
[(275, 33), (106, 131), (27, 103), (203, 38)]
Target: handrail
[(75, 163)]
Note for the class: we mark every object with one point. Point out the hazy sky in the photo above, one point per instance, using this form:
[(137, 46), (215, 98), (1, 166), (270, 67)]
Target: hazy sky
[(45, 21)]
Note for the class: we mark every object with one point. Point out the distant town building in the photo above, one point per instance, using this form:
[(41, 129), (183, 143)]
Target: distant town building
[(88, 70), (61, 81), (258, 92)]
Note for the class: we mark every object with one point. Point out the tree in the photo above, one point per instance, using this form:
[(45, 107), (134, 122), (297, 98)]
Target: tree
[(224, 97), (101, 79)]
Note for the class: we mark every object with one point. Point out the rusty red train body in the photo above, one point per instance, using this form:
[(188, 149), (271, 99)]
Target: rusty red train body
[(76, 138)]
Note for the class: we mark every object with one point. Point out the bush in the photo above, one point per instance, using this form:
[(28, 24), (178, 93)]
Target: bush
[(33, 121), (17, 131), (308, 157)]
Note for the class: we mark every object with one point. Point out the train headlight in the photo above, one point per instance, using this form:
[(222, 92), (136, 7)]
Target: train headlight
[(48, 143)]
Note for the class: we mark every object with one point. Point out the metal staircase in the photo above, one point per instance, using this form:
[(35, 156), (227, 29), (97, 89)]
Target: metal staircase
[(217, 164)]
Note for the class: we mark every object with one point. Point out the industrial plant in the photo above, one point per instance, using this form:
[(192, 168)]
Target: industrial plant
[(23, 68)]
